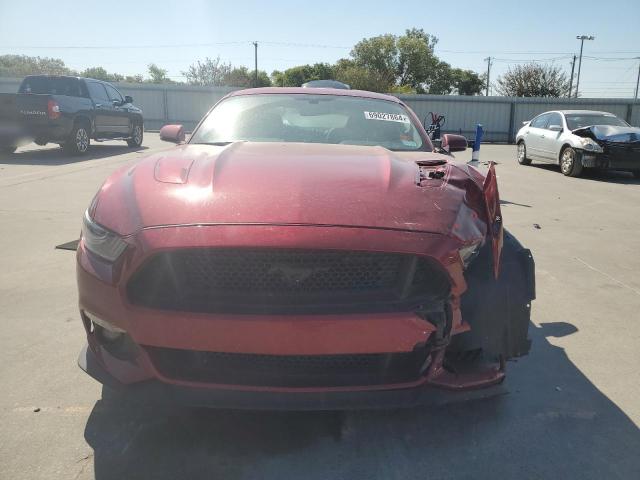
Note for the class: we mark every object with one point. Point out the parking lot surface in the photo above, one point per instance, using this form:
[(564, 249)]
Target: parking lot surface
[(571, 409)]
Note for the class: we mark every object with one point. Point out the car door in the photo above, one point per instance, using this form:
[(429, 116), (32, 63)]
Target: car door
[(550, 138), (534, 135), (102, 106), (119, 113)]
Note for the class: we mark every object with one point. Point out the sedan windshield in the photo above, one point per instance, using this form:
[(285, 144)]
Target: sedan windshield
[(308, 118), (575, 120)]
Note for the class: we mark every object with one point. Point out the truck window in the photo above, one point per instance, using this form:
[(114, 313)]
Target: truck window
[(51, 86), (97, 92), (113, 93)]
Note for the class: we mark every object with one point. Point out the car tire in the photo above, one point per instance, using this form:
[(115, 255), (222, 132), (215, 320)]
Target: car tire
[(522, 154), (570, 165), (79, 140), (8, 150), (137, 134)]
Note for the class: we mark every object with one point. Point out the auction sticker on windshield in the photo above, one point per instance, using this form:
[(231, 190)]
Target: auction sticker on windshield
[(389, 117)]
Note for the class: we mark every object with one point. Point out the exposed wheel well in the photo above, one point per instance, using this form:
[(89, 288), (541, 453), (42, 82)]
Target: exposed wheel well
[(82, 120), (562, 149)]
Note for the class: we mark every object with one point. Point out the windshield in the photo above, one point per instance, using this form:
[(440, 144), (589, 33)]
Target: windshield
[(309, 118), (575, 120)]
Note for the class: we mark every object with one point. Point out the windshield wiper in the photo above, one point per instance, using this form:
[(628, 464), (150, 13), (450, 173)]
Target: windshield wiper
[(217, 144)]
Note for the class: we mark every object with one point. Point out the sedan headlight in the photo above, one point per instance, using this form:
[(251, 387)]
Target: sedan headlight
[(101, 241), (469, 252), (590, 145)]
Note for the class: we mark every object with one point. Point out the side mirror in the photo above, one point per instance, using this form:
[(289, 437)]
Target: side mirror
[(555, 128), (116, 103), (172, 133), (453, 143), (526, 122), (128, 99)]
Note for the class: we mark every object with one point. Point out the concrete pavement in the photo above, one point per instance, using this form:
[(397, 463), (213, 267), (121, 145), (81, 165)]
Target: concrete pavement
[(572, 410)]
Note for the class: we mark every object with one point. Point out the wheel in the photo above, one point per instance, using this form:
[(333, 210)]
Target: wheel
[(569, 163), (78, 141), (136, 136), (8, 150), (522, 154)]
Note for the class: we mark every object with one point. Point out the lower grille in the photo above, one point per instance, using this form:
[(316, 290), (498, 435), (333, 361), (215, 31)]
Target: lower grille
[(288, 370), (223, 280)]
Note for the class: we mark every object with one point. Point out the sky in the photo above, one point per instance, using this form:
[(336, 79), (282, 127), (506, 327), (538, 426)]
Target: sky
[(125, 36)]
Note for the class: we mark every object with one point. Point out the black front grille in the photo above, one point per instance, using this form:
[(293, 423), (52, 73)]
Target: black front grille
[(288, 370), (280, 281)]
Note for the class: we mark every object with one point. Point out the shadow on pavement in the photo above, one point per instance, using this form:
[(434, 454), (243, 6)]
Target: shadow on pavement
[(554, 423), (611, 176), (55, 155)]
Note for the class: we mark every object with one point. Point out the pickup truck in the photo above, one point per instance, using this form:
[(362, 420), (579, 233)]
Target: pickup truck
[(69, 111)]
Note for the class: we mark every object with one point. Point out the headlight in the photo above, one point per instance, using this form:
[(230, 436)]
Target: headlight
[(590, 145), (101, 241), (469, 252)]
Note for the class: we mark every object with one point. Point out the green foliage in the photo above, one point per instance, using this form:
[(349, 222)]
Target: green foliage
[(216, 73), (360, 78), (208, 73), (533, 80), (296, 76), (21, 65), (408, 63), (245, 78), (157, 74), (100, 73), (467, 82)]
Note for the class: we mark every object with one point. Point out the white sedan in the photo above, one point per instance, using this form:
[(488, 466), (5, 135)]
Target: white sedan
[(576, 139)]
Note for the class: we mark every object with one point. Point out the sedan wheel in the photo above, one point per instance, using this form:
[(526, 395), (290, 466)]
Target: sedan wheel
[(569, 163), (522, 154)]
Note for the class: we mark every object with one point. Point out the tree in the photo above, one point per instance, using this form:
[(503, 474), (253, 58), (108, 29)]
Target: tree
[(361, 78), (296, 76), (23, 65), (134, 78), (157, 74), (243, 77), (467, 82), (533, 80), (99, 73), (406, 60), (208, 73)]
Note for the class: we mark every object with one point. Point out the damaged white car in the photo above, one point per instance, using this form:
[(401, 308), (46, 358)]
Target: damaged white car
[(578, 139)]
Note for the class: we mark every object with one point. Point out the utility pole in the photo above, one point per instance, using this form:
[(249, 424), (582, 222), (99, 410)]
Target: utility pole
[(488, 60), (573, 66), (255, 57), (582, 38), (637, 80)]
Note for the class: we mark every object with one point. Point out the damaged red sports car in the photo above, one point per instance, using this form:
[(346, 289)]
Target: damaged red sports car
[(304, 249)]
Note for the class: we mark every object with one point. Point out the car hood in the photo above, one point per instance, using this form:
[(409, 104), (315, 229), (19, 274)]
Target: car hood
[(293, 183), (609, 133)]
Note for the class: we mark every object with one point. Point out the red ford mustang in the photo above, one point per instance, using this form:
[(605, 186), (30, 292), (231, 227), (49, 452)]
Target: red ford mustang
[(306, 248)]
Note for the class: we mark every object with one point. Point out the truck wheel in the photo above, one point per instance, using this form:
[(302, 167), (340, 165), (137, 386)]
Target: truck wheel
[(136, 136), (78, 141), (570, 164), (8, 150), (522, 154)]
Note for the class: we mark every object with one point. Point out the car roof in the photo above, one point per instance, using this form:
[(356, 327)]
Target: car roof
[(315, 91), (579, 112)]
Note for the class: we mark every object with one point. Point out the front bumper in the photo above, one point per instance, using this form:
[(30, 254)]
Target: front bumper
[(102, 293), (156, 392), (620, 159)]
